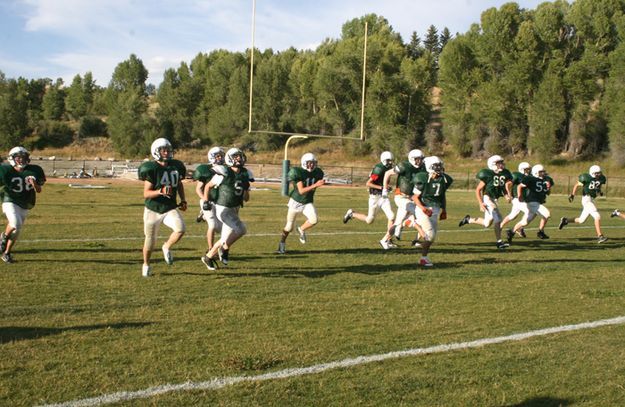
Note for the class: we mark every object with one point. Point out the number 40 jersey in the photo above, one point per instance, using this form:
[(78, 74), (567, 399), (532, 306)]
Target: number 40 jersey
[(170, 174)]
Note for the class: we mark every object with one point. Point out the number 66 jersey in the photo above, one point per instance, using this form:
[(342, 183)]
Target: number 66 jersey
[(15, 188)]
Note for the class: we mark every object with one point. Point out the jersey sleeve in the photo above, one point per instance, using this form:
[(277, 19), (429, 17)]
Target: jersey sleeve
[(40, 175), (250, 175), (146, 173), (484, 176), (294, 175), (449, 180)]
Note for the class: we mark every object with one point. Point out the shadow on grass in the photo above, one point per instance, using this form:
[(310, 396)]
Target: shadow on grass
[(542, 402), (18, 333)]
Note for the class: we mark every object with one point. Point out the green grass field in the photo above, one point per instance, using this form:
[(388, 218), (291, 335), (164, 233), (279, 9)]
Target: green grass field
[(78, 320)]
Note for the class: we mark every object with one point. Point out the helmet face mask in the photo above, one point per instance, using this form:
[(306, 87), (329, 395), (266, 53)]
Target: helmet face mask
[(496, 163), (434, 165), (162, 150), (309, 162), (386, 158), (595, 171), (235, 158), (525, 168), (538, 171), (216, 156), (19, 157), (415, 157)]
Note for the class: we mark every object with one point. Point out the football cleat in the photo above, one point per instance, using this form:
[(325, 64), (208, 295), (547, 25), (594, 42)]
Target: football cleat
[(392, 245), (521, 232), (281, 248), (425, 262), (563, 223), (7, 258), (602, 239), (502, 245), (614, 214), (3, 242), (416, 243), (384, 244), (200, 217), (169, 258), (464, 221), (542, 235), (348, 216), (146, 271), (302, 235), (210, 263), (509, 235), (223, 256)]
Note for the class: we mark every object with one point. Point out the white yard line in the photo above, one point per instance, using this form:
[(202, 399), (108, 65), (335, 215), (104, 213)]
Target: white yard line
[(221, 382), (379, 232)]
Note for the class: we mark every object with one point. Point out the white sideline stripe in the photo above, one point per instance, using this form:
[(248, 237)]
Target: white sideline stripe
[(381, 232), (221, 382)]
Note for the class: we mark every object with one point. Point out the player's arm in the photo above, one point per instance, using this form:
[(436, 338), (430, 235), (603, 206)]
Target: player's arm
[(33, 182), (479, 193), (304, 190), (508, 187), (416, 198), (181, 194), (370, 182), (519, 191), (199, 189), (149, 191), (572, 196)]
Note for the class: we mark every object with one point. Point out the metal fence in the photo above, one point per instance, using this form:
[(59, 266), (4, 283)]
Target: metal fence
[(272, 173)]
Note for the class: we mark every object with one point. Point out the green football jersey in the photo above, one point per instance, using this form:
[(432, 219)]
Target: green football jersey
[(170, 174), (537, 189), (203, 173), (517, 177), (308, 178), (14, 187), (405, 174), (377, 177), (230, 192), (590, 185), (433, 191), (495, 183)]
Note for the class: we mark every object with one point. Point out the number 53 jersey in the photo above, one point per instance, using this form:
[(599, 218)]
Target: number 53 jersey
[(15, 189)]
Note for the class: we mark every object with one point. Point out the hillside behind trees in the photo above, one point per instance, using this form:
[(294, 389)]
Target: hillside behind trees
[(546, 82)]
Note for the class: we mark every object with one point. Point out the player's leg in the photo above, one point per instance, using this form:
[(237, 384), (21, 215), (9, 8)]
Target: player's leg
[(428, 226), (151, 223), (293, 209), (545, 215), (16, 216), (173, 220), (514, 212)]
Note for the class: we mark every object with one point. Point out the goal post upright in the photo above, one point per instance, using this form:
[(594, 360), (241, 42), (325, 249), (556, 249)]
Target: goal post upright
[(250, 130)]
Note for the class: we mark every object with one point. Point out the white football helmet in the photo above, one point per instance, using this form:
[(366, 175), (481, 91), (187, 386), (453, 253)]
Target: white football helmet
[(19, 152), (386, 158), (309, 158), (161, 144), (216, 155), (415, 155), (493, 163), (433, 165), (537, 169), (595, 171), (235, 158), (524, 167)]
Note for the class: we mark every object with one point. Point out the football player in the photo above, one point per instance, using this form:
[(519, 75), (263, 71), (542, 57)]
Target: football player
[(376, 200), (306, 179), (232, 182), (518, 206), (533, 190), (162, 182), (202, 175), (20, 182), (404, 187), (430, 198), (494, 182), (591, 187)]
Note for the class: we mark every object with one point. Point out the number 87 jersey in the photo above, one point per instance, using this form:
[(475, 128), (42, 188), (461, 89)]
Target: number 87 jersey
[(16, 189)]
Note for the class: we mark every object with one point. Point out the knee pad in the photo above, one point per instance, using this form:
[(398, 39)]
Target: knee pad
[(369, 220), (595, 215), (289, 226)]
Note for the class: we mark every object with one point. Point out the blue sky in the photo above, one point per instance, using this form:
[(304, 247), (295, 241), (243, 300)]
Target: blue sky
[(62, 38)]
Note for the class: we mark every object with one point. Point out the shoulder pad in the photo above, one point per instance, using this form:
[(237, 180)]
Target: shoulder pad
[(220, 169)]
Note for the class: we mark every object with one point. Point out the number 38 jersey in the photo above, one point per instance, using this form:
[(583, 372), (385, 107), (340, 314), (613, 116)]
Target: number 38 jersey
[(14, 187), (590, 185), (495, 183), (170, 174), (297, 174)]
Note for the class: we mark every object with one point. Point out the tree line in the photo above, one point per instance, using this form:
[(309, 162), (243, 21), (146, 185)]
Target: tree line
[(542, 82)]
